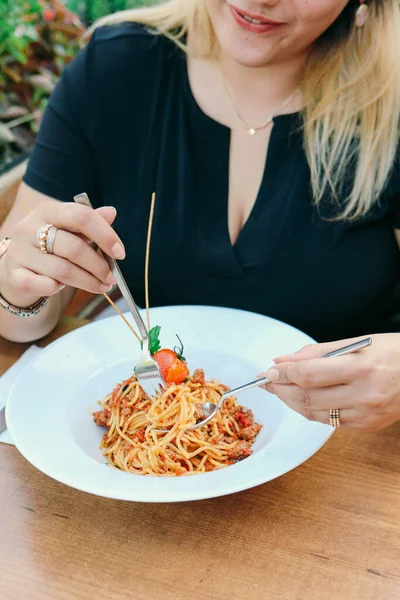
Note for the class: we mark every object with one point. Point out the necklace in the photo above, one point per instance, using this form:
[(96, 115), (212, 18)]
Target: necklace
[(251, 130)]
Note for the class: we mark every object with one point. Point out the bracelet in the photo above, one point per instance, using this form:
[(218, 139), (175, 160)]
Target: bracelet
[(31, 311)]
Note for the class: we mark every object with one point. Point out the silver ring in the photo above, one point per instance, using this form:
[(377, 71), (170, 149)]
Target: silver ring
[(51, 236), (4, 244)]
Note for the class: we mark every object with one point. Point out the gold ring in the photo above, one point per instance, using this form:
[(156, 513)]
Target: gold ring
[(334, 417), (41, 237)]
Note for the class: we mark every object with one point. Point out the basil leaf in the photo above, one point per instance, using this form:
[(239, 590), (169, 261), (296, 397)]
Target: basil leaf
[(154, 339)]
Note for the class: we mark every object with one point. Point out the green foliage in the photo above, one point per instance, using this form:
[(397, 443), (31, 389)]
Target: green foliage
[(37, 39), (16, 32), (90, 10), (154, 339)]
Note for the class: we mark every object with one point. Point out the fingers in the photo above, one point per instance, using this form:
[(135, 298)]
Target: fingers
[(31, 274), (32, 284), (65, 272), (82, 220), (108, 213), (314, 405), (315, 350), (317, 372), (78, 252), (349, 418), (318, 399)]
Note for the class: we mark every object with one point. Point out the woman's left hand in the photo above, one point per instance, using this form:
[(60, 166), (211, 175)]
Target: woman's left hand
[(365, 386)]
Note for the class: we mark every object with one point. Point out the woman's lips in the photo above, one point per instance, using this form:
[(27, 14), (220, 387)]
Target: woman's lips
[(254, 23)]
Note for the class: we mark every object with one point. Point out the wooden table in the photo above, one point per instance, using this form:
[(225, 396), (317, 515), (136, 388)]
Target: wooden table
[(328, 530)]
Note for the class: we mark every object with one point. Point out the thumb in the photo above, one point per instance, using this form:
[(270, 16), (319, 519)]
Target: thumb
[(305, 353), (108, 213)]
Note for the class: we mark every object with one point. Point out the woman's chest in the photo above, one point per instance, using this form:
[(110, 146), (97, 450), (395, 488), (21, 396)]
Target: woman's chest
[(286, 261)]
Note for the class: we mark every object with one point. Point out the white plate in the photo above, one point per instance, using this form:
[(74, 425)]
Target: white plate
[(48, 409)]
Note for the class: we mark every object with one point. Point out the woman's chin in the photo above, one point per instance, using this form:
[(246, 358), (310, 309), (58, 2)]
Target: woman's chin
[(248, 51), (247, 56)]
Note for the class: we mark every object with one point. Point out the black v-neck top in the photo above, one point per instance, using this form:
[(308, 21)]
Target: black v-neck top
[(123, 123)]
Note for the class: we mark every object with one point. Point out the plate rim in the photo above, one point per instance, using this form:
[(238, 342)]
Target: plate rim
[(235, 486)]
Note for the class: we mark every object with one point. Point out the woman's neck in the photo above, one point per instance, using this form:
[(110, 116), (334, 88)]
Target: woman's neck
[(263, 87)]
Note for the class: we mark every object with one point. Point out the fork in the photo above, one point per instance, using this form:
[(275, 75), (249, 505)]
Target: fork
[(210, 409), (146, 370)]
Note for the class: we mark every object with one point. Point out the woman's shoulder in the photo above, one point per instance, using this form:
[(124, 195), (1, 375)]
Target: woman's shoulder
[(128, 45), (126, 35), (121, 55), (391, 193), (124, 61)]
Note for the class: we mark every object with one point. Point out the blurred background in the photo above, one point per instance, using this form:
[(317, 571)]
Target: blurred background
[(37, 39), (90, 10)]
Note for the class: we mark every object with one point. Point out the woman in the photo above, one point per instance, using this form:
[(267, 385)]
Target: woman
[(269, 130)]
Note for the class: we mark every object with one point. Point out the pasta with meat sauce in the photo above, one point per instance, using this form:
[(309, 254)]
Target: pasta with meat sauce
[(131, 442)]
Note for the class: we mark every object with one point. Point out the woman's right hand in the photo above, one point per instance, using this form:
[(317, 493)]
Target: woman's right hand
[(27, 274)]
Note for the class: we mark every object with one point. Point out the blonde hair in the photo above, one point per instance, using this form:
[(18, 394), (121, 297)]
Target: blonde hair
[(351, 89)]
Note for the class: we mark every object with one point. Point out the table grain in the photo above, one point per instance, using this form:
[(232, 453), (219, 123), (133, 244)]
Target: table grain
[(329, 530)]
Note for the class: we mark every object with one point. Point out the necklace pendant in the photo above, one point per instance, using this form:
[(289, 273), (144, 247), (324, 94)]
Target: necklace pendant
[(252, 131)]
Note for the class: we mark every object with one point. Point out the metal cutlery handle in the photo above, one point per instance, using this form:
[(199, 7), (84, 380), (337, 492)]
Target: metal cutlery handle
[(119, 278), (350, 348), (340, 352), (246, 386)]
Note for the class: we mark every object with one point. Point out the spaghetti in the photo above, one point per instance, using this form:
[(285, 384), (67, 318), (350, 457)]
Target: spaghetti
[(131, 442)]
